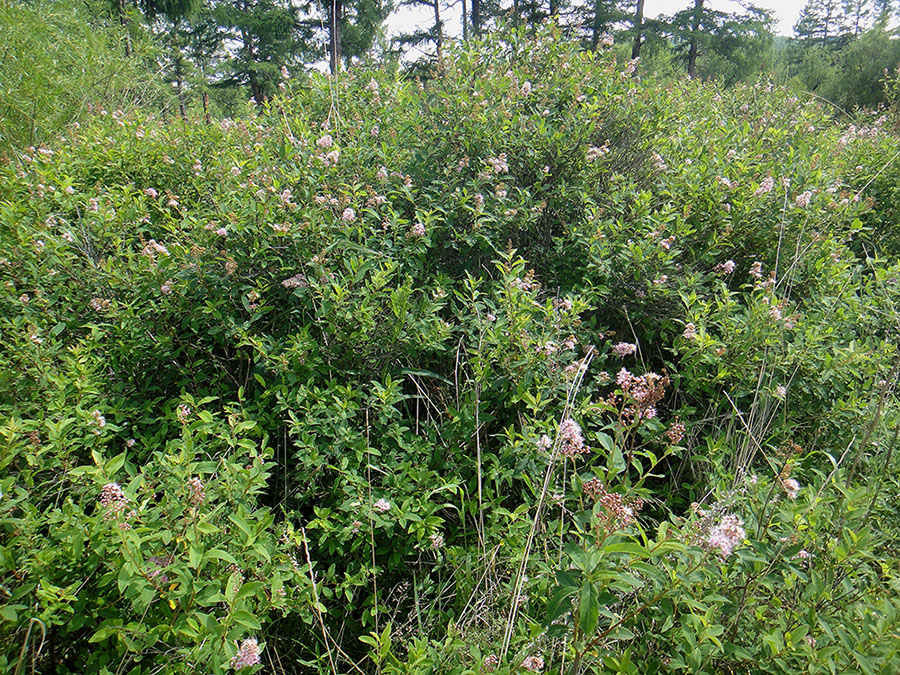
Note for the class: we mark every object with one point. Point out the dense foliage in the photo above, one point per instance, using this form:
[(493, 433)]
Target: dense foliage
[(536, 366)]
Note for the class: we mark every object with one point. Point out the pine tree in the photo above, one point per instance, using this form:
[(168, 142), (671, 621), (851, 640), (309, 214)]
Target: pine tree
[(433, 34), (263, 35), (734, 42), (823, 21), (351, 27), (176, 12)]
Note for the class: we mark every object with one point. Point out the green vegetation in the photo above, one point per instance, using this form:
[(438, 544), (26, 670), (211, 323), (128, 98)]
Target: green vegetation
[(532, 365)]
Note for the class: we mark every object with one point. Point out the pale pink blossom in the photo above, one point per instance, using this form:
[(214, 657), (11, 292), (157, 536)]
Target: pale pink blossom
[(623, 349), (248, 654)]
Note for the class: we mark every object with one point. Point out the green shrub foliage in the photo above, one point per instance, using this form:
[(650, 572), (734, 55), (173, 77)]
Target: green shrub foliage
[(536, 366)]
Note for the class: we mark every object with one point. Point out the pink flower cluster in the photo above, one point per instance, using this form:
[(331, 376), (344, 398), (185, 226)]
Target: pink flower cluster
[(623, 349), (196, 490), (571, 440), (113, 501), (248, 654), (617, 513), (726, 535), (533, 664), (675, 432), (296, 281), (765, 187)]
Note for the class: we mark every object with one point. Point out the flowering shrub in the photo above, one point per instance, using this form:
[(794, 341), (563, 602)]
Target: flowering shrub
[(534, 367)]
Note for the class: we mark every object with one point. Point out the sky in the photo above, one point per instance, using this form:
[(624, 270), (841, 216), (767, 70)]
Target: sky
[(785, 11)]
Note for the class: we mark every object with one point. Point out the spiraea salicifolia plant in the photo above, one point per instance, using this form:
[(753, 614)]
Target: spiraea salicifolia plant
[(537, 366)]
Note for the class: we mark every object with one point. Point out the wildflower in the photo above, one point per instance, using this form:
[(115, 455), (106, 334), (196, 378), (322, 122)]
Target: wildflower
[(248, 654), (606, 40), (332, 157), (781, 391), (490, 662), (222, 232), (727, 535), (534, 664), (100, 304), (183, 412), (325, 142), (130, 443), (623, 349), (498, 163), (764, 187), (382, 173), (756, 270), (24, 298), (417, 230), (349, 215), (99, 419), (284, 73), (791, 487), (113, 500), (93, 205), (437, 541), (659, 162), (196, 491), (382, 506), (667, 243), (726, 267), (571, 440), (690, 332), (490, 316), (675, 432), (594, 153), (296, 281), (544, 442), (526, 88), (166, 288), (802, 199)]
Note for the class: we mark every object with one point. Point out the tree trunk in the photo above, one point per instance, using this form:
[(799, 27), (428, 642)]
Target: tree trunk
[(206, 108), (597, 24), (476, 17), (438, 31), (179, 70), (638, 30), (465, 25), (334, 34), (695, 31), (123, 19), (256, 89)]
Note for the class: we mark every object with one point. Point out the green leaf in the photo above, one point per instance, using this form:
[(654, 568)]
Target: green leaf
[(245, 618), (588, 609)]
